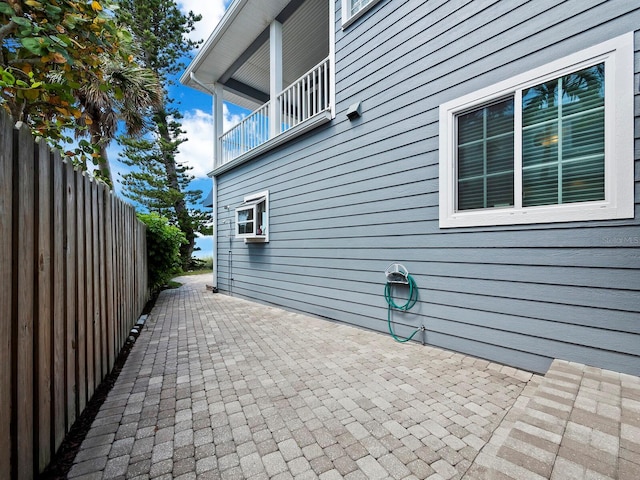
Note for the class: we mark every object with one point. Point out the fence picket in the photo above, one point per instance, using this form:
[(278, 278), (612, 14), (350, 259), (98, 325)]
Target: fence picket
[(70, 287), (7, 290), (91, 313), (95, 274), (102, 288), (58, 291), (108, 279), (43, 292), (81, 322), (23, 343)]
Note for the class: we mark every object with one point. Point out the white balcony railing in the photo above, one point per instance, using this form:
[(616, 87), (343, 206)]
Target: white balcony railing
[(251, 132), (306, 97)]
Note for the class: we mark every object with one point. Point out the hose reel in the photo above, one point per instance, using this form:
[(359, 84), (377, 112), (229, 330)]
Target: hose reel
[(398, 275)]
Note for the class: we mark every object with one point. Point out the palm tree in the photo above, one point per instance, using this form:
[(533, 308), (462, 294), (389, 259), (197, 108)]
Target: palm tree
[(125, 94)]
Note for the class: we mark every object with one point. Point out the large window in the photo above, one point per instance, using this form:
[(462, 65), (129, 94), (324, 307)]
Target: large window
[(552, 145), (353, 9)]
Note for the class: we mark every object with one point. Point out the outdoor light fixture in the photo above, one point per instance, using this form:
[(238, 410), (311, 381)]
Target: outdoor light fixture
[(355, 111)]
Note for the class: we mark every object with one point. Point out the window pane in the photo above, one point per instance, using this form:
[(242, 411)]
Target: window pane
[(485, 157), (468, 164), (539, 103), (540, 185), (500, 118), (500, 155), (583, 135), (357, 5), (471, 194), (500, 190), (540, 145), (244, 228), (583, 181), (583, 90), (245, 215), (563, 141), (471, 126)]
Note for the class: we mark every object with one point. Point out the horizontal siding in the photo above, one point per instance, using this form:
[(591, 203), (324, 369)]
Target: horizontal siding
[(450, 291), (349, 198)]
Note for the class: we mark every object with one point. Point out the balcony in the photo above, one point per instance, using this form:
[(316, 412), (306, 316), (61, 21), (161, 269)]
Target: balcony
[(306, 98), (274, 59)]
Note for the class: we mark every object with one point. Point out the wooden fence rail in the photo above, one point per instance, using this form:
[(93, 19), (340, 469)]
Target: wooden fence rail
[(73, 281)]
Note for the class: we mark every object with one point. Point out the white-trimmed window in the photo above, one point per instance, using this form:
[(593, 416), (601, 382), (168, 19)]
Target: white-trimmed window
[(252, 218), (551, 145), (354, 9)]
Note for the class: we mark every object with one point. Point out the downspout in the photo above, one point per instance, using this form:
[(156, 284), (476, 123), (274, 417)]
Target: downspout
[(195, 80), (214, 193)]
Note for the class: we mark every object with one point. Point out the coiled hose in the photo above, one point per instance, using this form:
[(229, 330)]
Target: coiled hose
[(391, 304)]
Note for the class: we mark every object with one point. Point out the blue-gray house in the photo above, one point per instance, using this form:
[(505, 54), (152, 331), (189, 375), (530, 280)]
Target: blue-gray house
[(485, 145)]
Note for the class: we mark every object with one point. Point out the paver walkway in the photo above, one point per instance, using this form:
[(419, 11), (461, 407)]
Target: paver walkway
[(219, 387)]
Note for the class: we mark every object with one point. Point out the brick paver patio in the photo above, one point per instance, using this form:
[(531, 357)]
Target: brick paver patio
[(222, 388)]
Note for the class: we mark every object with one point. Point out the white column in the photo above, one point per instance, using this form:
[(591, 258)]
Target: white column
[(216, 224), (332, 58), (218, 124), (275, 74), (218, 121)]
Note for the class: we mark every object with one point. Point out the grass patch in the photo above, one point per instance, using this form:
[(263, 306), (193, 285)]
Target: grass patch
[(173, 284), (199, 271)]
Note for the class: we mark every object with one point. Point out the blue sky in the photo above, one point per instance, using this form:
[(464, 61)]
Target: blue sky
[(196, 109)]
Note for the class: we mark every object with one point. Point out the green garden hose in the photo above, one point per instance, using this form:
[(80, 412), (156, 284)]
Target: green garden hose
[(391, 304)]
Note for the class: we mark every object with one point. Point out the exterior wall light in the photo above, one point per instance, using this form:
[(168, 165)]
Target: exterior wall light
[(354, 111)]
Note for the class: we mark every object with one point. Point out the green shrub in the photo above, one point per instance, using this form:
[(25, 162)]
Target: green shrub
[(163, 249), (207, 263), (198, 264)]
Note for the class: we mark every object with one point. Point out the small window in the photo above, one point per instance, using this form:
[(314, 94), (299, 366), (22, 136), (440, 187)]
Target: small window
[(551, 145), (252, 218), (354, 9)]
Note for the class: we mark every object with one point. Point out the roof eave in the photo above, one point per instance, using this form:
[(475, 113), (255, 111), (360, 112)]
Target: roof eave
[(218, 32), (241, 24)]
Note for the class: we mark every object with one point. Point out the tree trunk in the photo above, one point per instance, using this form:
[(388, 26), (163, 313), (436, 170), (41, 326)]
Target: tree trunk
[(105, 171), (183, 217)]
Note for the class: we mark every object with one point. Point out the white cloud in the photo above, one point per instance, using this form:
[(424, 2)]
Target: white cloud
[(229, 119), (197, 151), (211, 11)]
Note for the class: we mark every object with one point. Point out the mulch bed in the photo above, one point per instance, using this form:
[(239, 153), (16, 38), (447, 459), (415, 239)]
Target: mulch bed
[(63, 459)]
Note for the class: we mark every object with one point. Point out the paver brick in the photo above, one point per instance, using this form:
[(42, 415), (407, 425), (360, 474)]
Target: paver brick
[(371, 468), (159, 469), (88, 467), (321, 464), (274, 463), (395, 467), (184, 466), (298, 466), (218, 387), (289, 449), (94, 452)]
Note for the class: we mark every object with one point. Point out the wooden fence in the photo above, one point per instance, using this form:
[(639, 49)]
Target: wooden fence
[(73, 281)]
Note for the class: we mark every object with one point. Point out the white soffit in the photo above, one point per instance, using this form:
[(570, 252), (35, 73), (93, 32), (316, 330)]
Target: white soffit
[(241, 24)]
